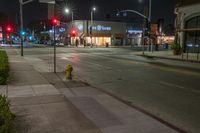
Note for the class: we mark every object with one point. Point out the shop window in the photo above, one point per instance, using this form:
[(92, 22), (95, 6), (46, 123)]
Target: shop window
[(192, 38)]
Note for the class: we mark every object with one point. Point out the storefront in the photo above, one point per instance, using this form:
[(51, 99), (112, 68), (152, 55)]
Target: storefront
[(1, 34), (134, 37), (99, 33), (188, 26)]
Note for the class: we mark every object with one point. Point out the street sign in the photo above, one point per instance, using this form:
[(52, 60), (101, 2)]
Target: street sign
[(47, 1)]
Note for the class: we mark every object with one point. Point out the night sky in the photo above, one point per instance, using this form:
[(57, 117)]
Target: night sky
[(106, 9)]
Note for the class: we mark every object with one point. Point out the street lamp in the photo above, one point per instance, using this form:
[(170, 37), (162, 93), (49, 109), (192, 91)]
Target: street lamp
[(22, 2), (149, 19), (67, 10), (141, 15), (92, 11), (150, 5)]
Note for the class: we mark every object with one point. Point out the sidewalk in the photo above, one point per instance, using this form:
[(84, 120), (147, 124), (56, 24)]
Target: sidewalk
[(45, 102), (192, 57)]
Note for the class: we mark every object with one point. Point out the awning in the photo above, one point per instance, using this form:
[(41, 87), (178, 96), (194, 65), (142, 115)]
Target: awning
[(191, 29), (100, 35)]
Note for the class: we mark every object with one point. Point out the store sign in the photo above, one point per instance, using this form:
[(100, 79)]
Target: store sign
[(80, 27), (101, 28), (1, 36), (47, 1), (61, 29)]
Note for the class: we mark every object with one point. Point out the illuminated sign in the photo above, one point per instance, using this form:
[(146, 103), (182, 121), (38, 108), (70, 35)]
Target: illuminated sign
[(61, 29), (80, 27), (135, 31), (47, 1), (101, 28), (1, 36)]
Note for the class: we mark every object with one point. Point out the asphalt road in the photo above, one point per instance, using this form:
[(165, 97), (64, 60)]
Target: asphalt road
[(167, 89)]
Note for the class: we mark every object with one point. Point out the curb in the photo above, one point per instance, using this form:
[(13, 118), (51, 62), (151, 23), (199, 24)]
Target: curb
[(175, 128), (138, 109), (158, 57)]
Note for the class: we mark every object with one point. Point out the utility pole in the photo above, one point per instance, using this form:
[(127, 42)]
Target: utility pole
[(72, 17), (21, 26), (54, 41), (21, 3), (150, 6), (91, 27)]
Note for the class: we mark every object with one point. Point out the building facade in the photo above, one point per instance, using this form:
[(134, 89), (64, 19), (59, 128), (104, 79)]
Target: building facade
[(188, 25), (97, 32), (102, 33)]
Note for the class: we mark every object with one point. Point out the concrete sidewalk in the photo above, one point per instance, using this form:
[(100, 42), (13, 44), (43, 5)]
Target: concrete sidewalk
[(45, 102), (192, 57)]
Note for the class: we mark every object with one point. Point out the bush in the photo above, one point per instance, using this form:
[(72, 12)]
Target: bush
[(4, 67), (176, 48), (6, 116)]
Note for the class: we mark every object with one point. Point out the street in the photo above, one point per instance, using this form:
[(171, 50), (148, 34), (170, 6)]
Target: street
[(164, 88)]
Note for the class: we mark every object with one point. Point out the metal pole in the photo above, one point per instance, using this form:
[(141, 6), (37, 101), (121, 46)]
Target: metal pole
[(187, 53), (198, 52), (149, 10), (21, 25), (182, 53), (150, 5), (91, 27), (143, 35), (72, 16), (54, 41)]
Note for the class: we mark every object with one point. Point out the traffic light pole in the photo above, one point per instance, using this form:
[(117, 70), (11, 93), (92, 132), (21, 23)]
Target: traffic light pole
[(21, 3), (91, 27), (54, 41), (21, 25), (146, 19), (150, 6)]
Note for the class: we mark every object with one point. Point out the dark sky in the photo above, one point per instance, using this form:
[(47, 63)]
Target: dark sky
[(34, 11)]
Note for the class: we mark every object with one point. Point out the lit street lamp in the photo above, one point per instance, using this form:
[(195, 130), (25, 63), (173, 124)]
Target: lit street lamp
[(22, 2), (150, 5), (149, 19), (67, 10), (92, 11)]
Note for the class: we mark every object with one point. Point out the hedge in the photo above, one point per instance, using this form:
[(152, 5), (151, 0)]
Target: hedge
[(4, 67), (6, 116)]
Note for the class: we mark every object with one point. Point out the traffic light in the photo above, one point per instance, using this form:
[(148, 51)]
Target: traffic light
[(9, 29), (55, 22), (73, 33), (7, 36), (23, 33), (148, 28), (90, 30)]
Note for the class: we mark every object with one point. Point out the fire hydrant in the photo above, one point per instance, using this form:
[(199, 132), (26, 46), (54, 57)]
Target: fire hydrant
[(68, 71)]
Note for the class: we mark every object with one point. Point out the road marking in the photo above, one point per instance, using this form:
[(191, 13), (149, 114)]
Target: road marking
[(178, 86), (175, 70), (146, 64)]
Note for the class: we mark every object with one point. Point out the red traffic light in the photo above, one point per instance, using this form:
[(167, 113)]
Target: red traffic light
[(9, 29), (7, 36), (73, 33), (55, 22)]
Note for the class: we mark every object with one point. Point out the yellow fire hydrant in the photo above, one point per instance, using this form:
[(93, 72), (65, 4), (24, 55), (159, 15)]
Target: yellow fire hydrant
[(68, 71)]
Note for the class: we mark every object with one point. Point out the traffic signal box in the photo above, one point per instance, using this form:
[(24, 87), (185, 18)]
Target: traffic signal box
[(73, 33), (9, 29), (55, 22)]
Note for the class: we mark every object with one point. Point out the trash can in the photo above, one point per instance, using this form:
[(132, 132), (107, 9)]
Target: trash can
[(107, 45)]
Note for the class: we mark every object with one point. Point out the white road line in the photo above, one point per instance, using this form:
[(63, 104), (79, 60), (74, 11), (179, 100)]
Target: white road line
[(178, 86)]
